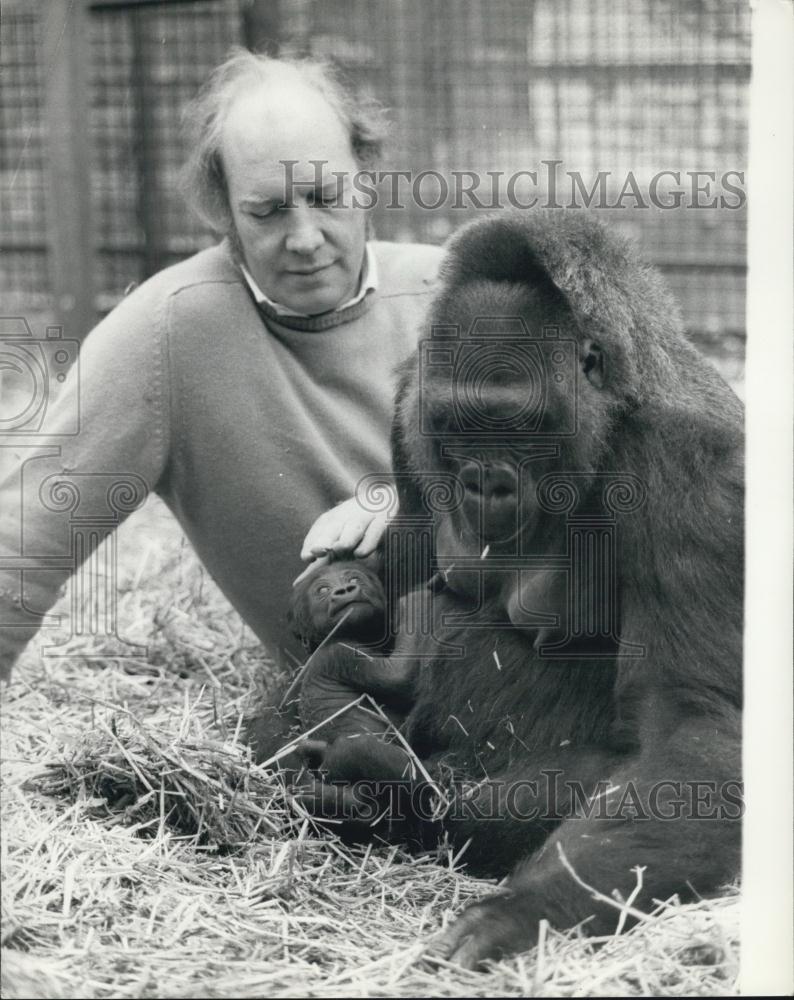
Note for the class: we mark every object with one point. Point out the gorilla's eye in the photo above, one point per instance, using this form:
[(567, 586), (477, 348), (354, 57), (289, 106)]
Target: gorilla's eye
[(322, 590), (593, 363)]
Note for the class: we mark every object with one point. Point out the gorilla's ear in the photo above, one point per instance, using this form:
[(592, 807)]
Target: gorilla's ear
[(498, 249), (593, 366)]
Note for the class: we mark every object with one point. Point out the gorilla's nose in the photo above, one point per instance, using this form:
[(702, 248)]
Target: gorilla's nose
[(345, 593), (491, 492), (493, 483)]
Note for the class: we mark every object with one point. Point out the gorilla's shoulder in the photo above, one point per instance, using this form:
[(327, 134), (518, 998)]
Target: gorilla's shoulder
[(406, 268)]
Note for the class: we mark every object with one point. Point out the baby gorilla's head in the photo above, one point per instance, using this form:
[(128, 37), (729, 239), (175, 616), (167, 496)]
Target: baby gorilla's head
[(346, 596)]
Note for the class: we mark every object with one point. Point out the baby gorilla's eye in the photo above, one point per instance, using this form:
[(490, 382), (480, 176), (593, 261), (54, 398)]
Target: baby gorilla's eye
[(322, 590)]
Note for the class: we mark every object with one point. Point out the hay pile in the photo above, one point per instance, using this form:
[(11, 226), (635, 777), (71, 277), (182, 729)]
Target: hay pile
[(206, 790), (143, 855)]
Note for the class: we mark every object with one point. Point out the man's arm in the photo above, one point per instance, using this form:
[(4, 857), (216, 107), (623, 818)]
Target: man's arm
[(101, 447)]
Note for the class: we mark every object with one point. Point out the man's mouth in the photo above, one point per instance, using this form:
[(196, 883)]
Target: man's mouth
[(307, 272)]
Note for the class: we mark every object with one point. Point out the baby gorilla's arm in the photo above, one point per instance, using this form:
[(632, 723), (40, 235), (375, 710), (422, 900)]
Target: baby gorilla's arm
[(386, 679), (338, 675)]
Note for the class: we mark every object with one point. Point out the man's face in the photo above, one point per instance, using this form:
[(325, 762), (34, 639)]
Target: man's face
[(306, 256)]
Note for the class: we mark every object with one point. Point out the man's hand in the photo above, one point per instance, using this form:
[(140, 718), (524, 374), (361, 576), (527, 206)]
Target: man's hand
[(342, 530)]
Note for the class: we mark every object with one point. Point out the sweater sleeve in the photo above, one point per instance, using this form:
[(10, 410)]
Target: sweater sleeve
[(101, 447)]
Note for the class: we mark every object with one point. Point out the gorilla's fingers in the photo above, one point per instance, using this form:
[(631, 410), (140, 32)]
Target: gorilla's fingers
[(312, 753), (489, 930), (337, 802)]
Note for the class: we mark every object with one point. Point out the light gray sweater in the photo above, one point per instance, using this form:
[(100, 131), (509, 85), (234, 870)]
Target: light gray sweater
[(248, 425)]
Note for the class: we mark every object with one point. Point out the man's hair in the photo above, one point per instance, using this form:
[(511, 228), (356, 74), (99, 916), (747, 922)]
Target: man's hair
[(203, 177)]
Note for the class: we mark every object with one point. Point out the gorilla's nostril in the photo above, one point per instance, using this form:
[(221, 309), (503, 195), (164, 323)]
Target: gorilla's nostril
[(500, 482), (489, 482), (471, 479)]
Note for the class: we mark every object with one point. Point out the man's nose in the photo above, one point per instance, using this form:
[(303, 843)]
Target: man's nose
[(304, 235)]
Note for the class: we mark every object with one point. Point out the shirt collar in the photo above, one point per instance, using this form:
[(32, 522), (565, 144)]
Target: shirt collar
[(369, 282)]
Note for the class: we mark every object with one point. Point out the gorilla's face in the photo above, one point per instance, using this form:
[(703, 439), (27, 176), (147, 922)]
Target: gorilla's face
[(509, 388), (345, 597)]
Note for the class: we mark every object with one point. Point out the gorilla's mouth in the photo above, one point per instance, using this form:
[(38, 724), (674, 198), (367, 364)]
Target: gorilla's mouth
[(490, 500), (338, 608)]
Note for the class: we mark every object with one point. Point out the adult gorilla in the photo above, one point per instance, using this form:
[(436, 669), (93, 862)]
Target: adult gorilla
[(583, 671)]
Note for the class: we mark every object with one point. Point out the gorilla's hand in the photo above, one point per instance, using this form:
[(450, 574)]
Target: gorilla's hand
[(361, 778), (493, 928), (352, 805)]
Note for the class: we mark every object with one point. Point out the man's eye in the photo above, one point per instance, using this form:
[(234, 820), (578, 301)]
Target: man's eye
[(262, 213), (324, 199)]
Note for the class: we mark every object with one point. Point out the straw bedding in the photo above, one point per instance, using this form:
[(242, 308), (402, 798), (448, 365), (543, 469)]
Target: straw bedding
[(144, 856)]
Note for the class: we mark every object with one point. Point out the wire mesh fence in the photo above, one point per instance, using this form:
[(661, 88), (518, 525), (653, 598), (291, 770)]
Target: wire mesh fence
[(542, 91), (24, 278)]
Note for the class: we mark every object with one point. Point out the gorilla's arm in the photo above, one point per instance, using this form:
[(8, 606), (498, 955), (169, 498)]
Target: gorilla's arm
[(337, 676), (341, 667), (671, 793)]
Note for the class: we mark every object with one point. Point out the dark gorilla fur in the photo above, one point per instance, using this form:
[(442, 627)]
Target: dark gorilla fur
[(639, 732), (345, 600), (334, 610)]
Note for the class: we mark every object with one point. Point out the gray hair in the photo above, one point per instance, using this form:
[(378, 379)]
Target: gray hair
[(203, 177)]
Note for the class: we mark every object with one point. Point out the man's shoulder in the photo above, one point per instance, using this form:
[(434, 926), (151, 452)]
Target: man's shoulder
[(406, 268), (143, 315), (214, 265), (202, 277)]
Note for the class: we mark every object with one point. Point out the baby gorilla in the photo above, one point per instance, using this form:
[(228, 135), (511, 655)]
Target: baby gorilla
[(346, 596), (336, 609)]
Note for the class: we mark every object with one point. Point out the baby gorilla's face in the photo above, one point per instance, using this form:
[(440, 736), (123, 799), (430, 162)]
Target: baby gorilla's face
[(345, 595)]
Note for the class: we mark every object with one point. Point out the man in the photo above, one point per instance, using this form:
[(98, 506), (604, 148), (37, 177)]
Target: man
[(251, 385)]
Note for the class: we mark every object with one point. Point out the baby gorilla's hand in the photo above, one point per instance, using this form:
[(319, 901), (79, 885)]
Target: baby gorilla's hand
[(361, 778), (353, 806), (312, 754)]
